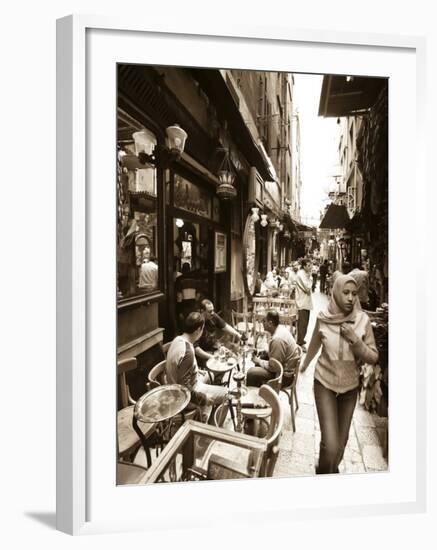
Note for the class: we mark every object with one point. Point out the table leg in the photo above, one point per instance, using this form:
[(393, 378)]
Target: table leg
[(143, 440)]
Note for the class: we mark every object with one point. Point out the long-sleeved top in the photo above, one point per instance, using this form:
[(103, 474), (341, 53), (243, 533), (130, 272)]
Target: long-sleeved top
[(181, 366), (283, 347), (304, 283), (337, 366)]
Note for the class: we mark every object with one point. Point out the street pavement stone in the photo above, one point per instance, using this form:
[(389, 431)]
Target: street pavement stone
[(363, 417), (304, 425), (373, 459), (367, 436), (303, 443), (305, 411)]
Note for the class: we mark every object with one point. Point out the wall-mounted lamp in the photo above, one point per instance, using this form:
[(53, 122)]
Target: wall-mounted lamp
[(226, 190), (255, 216), (264, 222), (163, 156), (179, 222)]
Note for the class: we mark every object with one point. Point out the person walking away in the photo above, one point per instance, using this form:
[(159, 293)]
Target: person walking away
[(314, 273), (304, 302), (345, 268), (181, 367), (323, 271), (362, 279), (344, 334)]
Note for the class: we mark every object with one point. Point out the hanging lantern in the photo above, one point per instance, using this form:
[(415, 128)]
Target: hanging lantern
[(255, 216), (264, 222), (226, 190), (273, 223)]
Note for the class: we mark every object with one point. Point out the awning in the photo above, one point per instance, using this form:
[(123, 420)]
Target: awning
[(348, 95), (336, 217)]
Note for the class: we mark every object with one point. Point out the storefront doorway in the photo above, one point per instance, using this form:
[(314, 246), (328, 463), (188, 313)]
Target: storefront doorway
[(193, 221)]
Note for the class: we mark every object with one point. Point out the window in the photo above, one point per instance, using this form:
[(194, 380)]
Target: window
[(137, 212), (350, 201)]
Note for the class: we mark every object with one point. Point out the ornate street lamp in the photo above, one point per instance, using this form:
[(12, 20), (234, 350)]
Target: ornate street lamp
[(226, 190), (163, 156)]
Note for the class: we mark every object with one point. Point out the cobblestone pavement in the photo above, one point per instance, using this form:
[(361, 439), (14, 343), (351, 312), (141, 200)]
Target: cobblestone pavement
[(299, 451)]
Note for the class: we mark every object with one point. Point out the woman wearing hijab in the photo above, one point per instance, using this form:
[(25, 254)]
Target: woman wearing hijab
[(345, 336)]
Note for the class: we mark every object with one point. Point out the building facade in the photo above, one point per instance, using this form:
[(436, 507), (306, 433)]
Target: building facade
[(182, 235)]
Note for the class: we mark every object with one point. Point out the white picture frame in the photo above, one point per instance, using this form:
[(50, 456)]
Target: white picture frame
[(80, 491)]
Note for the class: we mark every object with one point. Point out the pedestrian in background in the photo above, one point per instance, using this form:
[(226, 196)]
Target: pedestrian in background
[(362, 279), (304, 302), (323, 271), (345, 336), (314, 273)]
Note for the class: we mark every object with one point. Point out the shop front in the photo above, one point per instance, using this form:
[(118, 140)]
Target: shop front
[(197, 248)]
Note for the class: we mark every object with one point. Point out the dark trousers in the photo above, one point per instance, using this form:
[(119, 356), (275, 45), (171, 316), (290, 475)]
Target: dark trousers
[(335, 411), (322, 283), (257, 376), (303, 317)]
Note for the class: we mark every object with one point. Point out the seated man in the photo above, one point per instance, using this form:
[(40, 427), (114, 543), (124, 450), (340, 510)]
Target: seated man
[(181, 367), (208, 342), (282, 347)]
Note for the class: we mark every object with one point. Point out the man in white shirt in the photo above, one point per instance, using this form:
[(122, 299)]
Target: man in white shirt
[(282, 347), (304, 301), (149, 274)]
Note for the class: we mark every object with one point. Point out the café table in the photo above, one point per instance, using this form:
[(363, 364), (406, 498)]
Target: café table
[(159, 406), (220, 366)]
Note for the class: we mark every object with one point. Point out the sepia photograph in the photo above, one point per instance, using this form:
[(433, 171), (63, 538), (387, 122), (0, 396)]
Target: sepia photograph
[(252, 255)]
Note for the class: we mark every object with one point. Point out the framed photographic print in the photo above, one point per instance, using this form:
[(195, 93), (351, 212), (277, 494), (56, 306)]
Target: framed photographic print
[(220, 252), (162, 135)]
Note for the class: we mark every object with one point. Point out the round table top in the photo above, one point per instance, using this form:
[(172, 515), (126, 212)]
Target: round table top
[(162, 403), (215, 364)]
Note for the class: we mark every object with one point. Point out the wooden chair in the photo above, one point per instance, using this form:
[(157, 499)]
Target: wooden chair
[(290, 388), (242, 321), (127, 439), (260, 302), (157, 376), (274, 430), (258, 327), (165, 348), (276, 383)]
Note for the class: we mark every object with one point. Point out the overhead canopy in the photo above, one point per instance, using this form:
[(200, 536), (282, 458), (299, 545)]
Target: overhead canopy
[(348, 95), (336, 217)]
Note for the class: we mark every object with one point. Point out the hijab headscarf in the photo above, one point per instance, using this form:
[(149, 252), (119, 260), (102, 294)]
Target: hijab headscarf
[(333, 314)]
